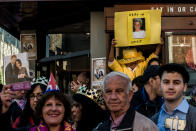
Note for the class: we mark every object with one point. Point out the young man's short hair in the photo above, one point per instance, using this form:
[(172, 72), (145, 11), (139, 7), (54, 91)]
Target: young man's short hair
[(173, 67)]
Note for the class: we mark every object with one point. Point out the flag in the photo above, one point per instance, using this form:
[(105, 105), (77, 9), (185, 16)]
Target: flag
[(52, 86)]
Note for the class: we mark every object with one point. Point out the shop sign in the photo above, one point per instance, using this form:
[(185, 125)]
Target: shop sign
[(167, 9)]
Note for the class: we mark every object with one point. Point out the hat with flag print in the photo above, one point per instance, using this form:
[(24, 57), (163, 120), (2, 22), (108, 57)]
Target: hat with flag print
[(52, 86)]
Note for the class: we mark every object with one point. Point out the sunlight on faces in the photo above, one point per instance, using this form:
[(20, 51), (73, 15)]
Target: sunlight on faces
[(53, 112), (116, 94), (35, 97), (172, 86)]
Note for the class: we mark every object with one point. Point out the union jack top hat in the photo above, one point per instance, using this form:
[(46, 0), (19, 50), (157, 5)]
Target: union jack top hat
[(52, 86)]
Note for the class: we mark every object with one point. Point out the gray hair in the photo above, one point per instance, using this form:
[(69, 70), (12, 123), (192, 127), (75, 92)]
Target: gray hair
[(138, 20), (117, 74)]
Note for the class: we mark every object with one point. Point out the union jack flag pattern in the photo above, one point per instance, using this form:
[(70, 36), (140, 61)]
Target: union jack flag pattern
[(52, 86)]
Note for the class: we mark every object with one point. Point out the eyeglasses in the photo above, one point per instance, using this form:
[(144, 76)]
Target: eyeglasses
[(38, 96)]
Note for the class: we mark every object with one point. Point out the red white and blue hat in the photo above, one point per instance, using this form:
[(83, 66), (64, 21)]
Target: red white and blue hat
[(52, 86)]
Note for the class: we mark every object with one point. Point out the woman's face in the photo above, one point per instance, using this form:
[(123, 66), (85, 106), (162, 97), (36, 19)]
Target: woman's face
[(76, 112), (35, 97), (137, 26), (18, 64), (53, 112)]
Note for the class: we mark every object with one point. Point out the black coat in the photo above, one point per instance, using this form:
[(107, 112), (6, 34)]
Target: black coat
[(143, 105), (125, 125), (11, 74)]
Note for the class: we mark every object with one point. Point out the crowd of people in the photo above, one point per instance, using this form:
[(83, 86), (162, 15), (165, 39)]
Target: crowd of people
[(138, 95)]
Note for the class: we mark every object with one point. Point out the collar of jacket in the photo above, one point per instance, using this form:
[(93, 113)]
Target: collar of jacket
[(125, 125), (127, 122)]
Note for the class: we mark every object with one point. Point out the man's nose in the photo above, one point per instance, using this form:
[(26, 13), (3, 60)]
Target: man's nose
[(113, 95), (171, 86)]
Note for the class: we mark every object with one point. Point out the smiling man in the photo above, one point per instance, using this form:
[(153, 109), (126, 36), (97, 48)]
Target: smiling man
[(117, 93), (175, 114)]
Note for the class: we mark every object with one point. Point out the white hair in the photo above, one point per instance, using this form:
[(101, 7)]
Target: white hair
[(117, 74)]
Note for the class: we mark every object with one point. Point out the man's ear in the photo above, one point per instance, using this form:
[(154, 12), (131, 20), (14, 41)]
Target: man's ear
[(150, 81), (130, 95), (185, 86)]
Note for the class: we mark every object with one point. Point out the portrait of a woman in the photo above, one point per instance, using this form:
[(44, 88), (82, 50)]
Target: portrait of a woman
[(139, 28)]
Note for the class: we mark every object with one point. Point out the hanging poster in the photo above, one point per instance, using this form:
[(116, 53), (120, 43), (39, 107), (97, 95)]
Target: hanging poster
[(16, 71), (98, 71), (140, 27), (28, 44)]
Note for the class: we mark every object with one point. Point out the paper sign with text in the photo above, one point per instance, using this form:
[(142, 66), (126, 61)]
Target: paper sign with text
[(140, 27)]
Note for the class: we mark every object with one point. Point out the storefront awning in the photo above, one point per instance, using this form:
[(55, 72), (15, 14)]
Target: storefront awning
[(65, 57)]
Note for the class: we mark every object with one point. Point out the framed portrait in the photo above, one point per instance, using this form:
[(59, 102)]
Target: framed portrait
[(98, 71), (28, 44), (139, 30), (16, 68), (181, 49)]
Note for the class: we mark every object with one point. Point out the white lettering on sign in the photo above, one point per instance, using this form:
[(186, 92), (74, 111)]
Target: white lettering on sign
[(174, 9), (170, 9), (181, 9), (192, 9), (157, 8)]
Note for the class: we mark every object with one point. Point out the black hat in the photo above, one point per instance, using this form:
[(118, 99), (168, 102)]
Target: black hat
[(151, 71)]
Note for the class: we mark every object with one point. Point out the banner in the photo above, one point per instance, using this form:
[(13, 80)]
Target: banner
[(140, 27)]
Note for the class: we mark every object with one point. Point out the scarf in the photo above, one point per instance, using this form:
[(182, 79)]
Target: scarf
[(43, 127)]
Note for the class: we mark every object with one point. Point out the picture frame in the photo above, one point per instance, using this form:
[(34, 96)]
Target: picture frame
[(29, 45), (98, 71), (16, 71)]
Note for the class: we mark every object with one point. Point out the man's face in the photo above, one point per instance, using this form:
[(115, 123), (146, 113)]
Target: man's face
[(116, 96), (13, 60), (20, 94), (156, 85), (132, 65), (172, 86)]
